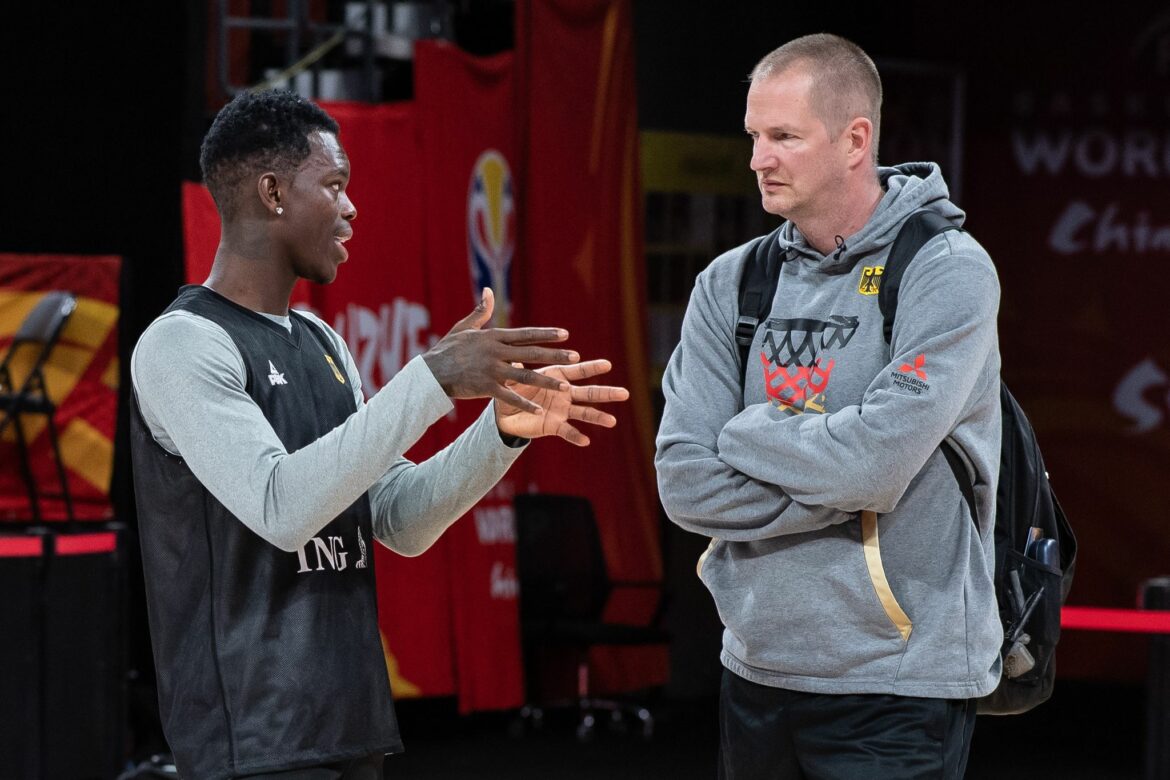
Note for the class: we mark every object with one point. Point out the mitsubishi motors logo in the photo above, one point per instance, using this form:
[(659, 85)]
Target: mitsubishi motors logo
[(911, 376), (919, 362)]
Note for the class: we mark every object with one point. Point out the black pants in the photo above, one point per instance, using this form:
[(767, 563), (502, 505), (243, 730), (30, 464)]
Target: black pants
[(368, 768), (774, 734)]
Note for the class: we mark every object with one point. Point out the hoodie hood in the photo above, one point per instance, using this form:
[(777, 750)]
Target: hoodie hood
[(908, 188)]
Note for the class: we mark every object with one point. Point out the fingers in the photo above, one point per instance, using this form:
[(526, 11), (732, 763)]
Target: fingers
[(592, 416), (586, 370), (591, 394), (481, 314), (572, 435), (521, 336), (526, 376), (539, 355), (510, 398), (598, 394)]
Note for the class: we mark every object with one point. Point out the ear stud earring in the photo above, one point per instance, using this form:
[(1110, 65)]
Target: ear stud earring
[(279, 210)]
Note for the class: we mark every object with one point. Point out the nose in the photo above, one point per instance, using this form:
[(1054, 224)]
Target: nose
[(348, 211), (762, 157)]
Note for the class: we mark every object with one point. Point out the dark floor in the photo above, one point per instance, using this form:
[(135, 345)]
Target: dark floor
[(1085, 731)]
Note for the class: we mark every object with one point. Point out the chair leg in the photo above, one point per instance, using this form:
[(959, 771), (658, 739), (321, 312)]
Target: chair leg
[(61, 475), (530, 713), (647, 721), (587, 725), (589, 710), (26, 468), (586, 729), (588, 706)]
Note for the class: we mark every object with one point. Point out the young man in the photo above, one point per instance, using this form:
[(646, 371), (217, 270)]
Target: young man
[(842, 658), (262, 476)]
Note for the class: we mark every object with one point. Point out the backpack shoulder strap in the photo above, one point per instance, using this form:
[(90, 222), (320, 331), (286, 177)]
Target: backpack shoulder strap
[(919, 227), (757, 288)]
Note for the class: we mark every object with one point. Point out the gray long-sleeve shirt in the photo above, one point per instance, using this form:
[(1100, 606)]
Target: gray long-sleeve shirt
[(831, 422), (186, 370)]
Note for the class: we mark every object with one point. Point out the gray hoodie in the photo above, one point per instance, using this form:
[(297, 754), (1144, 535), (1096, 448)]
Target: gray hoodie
[(816, 591)]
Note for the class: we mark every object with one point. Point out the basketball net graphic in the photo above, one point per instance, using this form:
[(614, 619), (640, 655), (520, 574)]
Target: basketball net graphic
[(795, 370)]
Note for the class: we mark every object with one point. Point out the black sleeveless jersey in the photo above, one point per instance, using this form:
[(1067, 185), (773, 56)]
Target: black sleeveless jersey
[(266, 659)]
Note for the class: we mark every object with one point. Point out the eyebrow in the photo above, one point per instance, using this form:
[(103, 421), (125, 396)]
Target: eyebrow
[(775, 128)]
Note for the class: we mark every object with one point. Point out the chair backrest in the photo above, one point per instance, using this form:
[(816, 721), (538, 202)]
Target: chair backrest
[(42, 326), (559, 560), (47, 318)]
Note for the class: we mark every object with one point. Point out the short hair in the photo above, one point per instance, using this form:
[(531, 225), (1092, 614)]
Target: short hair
[(845, 82), (257, 132)]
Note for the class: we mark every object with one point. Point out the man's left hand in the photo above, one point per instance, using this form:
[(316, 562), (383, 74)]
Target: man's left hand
[(561, 406)]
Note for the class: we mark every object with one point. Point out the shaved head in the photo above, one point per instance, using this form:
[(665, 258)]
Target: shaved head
[(845, 82)]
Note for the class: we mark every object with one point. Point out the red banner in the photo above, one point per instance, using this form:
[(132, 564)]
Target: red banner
[(82, 380), (381, 304), (466, 107), (200, 232), (582, 238)]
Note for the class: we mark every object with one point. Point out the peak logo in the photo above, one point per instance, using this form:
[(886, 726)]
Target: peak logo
[(491, 229), (275, 377)]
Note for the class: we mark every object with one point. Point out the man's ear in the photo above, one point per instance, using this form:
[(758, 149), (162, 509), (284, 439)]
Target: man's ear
[(268, 188), (859, 140)]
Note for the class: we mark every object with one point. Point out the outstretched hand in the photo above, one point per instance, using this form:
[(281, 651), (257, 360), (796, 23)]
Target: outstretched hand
[(573, 402), (472, 362)]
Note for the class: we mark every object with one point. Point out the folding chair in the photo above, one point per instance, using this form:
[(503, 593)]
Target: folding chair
[(36, 336)]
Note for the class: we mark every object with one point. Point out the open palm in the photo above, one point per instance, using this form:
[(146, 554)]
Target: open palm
[(562, 407)]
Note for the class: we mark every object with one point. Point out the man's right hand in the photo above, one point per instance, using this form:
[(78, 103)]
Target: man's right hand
[(470, 362)]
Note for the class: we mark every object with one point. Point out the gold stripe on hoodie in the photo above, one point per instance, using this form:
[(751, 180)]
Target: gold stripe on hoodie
[(703, 558), (877, 575)]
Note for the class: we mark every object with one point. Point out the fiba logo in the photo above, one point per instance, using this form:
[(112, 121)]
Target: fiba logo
[(491, 229)]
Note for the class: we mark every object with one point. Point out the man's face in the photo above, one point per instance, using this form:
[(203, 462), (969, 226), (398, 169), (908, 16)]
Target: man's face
[(317, 212), (799, 168)]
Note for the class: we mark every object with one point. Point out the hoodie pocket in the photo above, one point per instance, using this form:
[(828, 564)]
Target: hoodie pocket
[(877, 576)]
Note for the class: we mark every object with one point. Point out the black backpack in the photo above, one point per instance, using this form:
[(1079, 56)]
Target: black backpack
[(1035, 549)]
